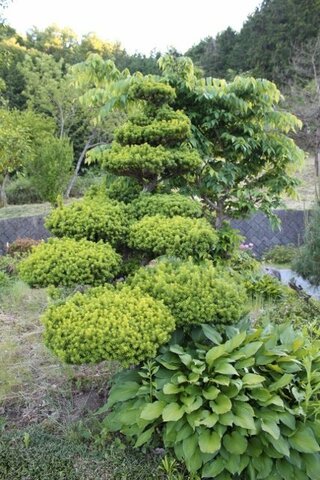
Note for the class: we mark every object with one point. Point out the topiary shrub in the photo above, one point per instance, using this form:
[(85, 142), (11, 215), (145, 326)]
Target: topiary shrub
[(123, 189), (106, 324), (167, 205), (194, 293), (67, 262), (152, 143), (242, 405), (93, 219), (126, 160), (177, 236)]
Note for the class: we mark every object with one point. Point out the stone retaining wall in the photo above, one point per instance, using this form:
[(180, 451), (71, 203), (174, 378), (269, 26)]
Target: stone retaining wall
[(256, 230), (22, 227)]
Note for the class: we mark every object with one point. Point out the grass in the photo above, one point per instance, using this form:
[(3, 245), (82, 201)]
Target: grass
[(16, 211), (307, 190)]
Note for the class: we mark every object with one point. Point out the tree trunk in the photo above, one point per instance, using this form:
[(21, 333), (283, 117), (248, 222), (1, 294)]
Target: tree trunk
[(3, 196), (78, 166), (149, 187)]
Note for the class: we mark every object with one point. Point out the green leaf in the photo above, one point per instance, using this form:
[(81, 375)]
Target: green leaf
[(211, 333), (209, 442), (209, 421), (189, 445), (271, 428), (285, 469), (235, 443), (184, 432), (222, 366), (172, 412), (252, 379), (170, 389), (212, 469), (121, 393), (215, 353), (144, 437), (235, 342), (304, 441), (312, 463), (281, 445), (194, 463), (233, 464), (250, 349), (152, 410), (221, 405), (243, 416), (282, 382), (226, 419), (211, 393)]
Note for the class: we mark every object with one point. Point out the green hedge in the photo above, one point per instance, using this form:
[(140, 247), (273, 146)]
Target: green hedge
[(93, 219), (194, 293), (168, 205), (67, 262), (106, 324), (131, 159), (177, 236)]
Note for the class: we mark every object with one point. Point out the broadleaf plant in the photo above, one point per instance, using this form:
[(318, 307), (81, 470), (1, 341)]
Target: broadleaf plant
[(244, 403)]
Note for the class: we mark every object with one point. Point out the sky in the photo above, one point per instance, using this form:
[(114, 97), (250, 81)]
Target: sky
[(139, 25)]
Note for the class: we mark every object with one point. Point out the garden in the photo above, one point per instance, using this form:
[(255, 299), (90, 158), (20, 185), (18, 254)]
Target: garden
[(144, 339)]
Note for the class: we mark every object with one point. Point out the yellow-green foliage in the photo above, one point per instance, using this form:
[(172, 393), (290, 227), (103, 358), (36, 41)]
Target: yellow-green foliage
[(194, 293), (177, 236), (153, 92), (93, 219), (149, 160), (168, 205), (67, 262), (164, 132), (106, 324), (123, 189)]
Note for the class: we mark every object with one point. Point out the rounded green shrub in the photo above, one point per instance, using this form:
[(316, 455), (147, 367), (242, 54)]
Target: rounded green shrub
[(151, 91), (237, 405), (123, 189), (177, 236), (130, 160), (165, 132), (92, 218), (168, 205), (194, 293), (106, 324), (67, 262)]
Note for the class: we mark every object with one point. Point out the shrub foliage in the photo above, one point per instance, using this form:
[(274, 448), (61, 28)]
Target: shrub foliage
[(177, 236), (194, 293), (106, 324), (67, 262), (92, 218), (167, 205)]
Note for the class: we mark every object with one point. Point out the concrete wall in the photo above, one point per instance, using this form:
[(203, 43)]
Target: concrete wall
[(257, 229)]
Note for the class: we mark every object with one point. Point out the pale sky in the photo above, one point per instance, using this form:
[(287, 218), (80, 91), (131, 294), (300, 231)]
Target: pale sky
[(139, 25)]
